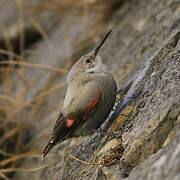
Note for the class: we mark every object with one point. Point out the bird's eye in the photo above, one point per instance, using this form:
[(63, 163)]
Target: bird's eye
[(87, 60)]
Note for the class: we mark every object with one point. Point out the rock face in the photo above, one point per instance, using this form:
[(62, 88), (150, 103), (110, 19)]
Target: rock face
[(143, 54), (162, 165)]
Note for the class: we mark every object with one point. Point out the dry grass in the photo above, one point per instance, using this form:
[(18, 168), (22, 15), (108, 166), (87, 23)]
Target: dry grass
[(17, 143)]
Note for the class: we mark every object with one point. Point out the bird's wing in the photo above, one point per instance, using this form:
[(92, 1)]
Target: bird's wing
[(82, 105)]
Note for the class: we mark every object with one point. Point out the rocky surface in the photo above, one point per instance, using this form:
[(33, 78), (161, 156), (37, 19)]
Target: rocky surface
[(162, 165), (143, 54)]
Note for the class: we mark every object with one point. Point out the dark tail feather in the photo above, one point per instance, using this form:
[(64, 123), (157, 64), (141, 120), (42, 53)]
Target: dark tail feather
[(59, 131), (48, 147)]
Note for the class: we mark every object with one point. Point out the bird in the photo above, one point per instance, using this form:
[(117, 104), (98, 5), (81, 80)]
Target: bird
[(90, 97)]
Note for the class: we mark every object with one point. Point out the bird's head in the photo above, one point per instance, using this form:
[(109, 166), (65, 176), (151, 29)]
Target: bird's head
[(88, 64)]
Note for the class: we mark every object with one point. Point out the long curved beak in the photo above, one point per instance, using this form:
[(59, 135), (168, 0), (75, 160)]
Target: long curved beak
[(101, 43)]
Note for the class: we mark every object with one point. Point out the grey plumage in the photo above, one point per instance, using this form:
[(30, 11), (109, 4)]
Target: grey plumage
[(90, 97)]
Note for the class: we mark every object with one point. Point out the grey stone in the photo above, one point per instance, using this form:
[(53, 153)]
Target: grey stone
[(162, 165)]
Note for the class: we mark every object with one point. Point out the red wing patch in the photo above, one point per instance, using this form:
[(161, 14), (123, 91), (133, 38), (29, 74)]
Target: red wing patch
[(92, 104), (70, 122)]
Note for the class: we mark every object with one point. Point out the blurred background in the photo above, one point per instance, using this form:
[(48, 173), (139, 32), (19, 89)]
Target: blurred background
[(39, 42)]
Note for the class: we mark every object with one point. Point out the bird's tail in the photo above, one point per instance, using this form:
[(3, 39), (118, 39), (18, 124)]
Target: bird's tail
[(53, 140), (48, 147)]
